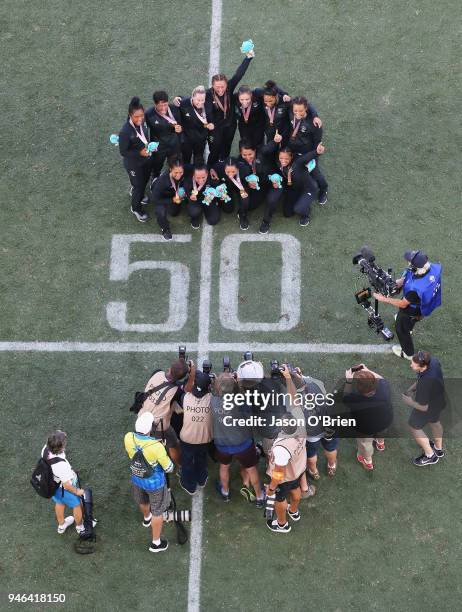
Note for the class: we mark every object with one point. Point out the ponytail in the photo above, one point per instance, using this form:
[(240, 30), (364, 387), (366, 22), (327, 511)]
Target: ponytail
[(135, 104)]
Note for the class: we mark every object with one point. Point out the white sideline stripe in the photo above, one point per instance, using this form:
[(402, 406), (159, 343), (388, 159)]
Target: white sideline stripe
[(262, 347), (193, 347), (195, 546)]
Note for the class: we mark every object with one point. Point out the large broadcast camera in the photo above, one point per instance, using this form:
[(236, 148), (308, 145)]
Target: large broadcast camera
[(382, 282)]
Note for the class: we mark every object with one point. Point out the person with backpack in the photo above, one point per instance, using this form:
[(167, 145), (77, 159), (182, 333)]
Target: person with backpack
[(148, 465), (54, 478), (161, 393)]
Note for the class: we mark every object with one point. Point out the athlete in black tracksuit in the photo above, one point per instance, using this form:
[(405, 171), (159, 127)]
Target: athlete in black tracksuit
[(195, 134), (298, 191), (305, 137), (260, 161), (239, 198), (163, 192), (224, 117), (163, 132), (195, 195), (276, 118), (137, 166), (251, 125)]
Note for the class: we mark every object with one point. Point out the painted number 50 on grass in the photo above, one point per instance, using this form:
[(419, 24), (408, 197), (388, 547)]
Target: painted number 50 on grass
[(121, 268)]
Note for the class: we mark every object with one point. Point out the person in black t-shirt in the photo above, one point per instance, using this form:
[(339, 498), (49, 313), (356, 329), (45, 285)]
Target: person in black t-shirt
[(426, 397), (368, 397)]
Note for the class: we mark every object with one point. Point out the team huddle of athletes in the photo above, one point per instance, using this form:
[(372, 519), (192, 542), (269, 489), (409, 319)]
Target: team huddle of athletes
[(278, 163)]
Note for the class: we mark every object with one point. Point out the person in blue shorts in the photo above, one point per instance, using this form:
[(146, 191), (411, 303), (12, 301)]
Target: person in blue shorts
[(67, 494)]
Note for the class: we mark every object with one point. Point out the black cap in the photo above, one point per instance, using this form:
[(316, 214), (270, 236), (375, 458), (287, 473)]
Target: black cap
[(416, 258), (201, 383)]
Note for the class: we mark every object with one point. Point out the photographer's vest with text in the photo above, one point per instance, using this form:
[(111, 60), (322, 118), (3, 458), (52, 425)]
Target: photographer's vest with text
[(197, 419), (297, 462), (163, 409)]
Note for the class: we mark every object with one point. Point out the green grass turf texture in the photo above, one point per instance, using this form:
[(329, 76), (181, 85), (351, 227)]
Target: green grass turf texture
[(384, 79)]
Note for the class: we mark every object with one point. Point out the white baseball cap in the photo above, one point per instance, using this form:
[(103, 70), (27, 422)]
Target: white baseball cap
[(250, 370), (144, 422)]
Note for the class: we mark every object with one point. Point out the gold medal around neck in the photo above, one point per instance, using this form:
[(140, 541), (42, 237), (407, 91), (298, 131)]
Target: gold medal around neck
[(243, 193), (177, 199)]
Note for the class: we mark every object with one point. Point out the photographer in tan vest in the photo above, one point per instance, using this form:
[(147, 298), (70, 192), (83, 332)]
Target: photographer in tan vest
[(196, 433), (164, 390), (286, 465)]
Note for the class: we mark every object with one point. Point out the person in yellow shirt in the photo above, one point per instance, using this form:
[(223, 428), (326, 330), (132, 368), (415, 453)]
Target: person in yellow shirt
[(149, 463)]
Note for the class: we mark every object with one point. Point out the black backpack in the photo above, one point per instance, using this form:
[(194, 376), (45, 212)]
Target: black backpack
[(42, 477)]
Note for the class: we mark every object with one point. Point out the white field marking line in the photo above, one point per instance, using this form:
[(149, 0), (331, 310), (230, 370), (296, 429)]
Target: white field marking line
[(172, 347), (195, 546), (290, 282)]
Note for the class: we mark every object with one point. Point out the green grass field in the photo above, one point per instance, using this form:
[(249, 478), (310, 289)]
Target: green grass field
[(384, 77)]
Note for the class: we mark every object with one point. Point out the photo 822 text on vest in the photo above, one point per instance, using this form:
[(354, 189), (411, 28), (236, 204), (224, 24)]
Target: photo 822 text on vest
[(229, 280)]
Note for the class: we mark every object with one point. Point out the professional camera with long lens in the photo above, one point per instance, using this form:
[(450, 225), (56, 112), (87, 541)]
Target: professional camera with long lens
[(382, 282), (182, 516)]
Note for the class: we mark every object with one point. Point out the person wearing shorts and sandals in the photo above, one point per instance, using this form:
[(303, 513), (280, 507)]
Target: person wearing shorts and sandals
[(368, 398), (233, 441), (329, 445), (151, 493), (426, 397)]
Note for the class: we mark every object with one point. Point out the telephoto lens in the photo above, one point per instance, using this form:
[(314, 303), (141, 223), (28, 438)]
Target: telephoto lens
[(248, 356), (183, 516), (226, 364), (206, 366), (182, 352), (269, 508)]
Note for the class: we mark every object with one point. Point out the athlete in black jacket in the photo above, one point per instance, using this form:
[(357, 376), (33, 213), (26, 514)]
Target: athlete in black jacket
[(305, 137), (250, 116), (261, 162), (220, 95), (167, 196), (164, 122), (234, 176), (133, 140), (298, 188), (196, 120), (276, 105), (196, 181)]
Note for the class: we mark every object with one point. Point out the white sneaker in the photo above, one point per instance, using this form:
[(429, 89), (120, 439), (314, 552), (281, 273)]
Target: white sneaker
[(80, 528), (67, 521), (397, 350)]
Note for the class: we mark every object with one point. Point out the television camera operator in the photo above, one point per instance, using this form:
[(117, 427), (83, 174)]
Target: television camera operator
[(421, 286)]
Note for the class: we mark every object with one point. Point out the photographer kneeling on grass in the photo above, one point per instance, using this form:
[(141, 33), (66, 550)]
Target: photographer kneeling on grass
[(149, 462)]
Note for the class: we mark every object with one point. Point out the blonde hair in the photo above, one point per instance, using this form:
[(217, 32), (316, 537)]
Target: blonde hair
[(200, 89)]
